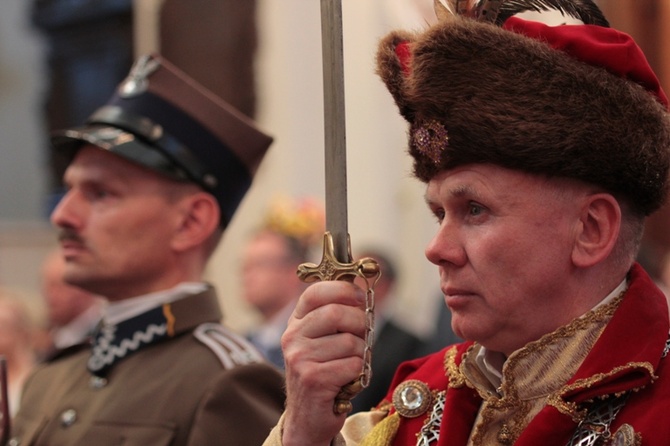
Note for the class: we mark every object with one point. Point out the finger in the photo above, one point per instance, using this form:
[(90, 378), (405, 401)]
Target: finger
[(324, 378), (323, 293), (324, 349), (332, 319)]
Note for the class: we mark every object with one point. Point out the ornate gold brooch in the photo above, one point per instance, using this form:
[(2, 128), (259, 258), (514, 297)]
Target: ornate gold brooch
[(412, 398)]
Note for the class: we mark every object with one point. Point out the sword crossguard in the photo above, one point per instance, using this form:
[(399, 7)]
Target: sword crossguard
[(332, 269)]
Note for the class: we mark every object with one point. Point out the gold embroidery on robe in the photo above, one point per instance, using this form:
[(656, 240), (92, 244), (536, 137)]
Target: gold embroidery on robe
[(533, 377)]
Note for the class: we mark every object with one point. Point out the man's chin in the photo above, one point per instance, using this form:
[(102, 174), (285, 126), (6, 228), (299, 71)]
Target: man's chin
[(79, 279)]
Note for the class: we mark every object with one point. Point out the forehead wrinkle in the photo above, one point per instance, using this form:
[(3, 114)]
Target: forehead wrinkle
[(485, 192), (463, 190), (88, 174), (456, 191)]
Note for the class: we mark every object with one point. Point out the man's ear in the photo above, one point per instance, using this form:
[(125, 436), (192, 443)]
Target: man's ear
[(199, 218), (600, 224)]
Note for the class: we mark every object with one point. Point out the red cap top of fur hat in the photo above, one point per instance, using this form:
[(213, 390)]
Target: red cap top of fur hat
[(576, 101)]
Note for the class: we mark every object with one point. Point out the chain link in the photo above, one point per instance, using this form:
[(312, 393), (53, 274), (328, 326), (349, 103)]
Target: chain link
[(366, 269), (366, 374)]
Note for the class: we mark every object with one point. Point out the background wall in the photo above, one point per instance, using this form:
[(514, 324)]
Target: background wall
[(22, 183), (23, 232)]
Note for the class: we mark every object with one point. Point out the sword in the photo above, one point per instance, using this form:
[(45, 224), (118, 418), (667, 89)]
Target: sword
[(337, 263)]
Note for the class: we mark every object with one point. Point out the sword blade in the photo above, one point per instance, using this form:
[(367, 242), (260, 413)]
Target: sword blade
[(334, 126)]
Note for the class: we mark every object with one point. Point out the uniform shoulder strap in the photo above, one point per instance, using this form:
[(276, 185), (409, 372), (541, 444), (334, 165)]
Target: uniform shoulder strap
[(232, 349)]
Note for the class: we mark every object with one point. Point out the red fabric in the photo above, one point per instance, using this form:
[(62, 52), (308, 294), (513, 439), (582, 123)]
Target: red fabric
[(653, 317), (404, 56), (460, 407), (595, 45), (636, 334)]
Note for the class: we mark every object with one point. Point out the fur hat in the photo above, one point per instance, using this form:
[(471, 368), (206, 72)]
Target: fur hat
[(575, 101)]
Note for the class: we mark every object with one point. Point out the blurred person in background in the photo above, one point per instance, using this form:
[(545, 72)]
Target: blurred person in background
[(270, 260), (18, 331)]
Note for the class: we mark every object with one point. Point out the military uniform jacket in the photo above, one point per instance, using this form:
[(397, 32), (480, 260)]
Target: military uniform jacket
[(628, 356), (200, 386)]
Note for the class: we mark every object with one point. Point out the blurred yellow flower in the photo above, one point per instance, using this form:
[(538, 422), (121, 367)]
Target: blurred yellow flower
[(302, 218)]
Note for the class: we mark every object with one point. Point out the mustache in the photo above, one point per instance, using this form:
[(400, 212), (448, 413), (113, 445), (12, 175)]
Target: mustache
[(70, 236)]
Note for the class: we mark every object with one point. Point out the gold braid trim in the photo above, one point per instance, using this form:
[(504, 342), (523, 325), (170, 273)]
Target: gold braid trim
[(511, 430), (170, 319), (599, 315), (456, 378), (571, 409), (567, 331), (383, 433), (566, 408)]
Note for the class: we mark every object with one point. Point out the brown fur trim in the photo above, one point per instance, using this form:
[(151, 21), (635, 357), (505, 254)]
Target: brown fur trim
[(513, 101), (390, 69)]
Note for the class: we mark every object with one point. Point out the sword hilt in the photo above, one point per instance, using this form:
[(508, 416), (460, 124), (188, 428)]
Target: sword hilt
[(330, 268)]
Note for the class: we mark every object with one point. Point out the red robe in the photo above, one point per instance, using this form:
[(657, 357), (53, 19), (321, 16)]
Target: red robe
[(627, 356)]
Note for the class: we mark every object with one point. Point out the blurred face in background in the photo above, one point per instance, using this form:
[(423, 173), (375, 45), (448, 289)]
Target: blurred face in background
[(269, 276), (15, 328)]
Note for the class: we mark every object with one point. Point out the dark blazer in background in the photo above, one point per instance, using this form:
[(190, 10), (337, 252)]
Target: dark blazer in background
[(392, 346)]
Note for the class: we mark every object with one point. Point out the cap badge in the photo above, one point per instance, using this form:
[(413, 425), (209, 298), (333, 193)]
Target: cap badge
[(109, 137), (431, 138), (137, 81), (412, 398)]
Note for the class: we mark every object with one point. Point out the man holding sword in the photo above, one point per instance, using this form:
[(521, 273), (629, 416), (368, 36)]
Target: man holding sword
[(543, 138)]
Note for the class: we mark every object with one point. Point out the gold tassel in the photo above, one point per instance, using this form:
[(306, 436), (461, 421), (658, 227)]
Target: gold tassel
[(383, 433)]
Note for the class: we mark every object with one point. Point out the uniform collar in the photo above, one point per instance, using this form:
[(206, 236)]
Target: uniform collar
[(122, 310)]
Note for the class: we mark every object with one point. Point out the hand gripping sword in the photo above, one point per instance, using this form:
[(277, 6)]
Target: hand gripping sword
[(337, 263)]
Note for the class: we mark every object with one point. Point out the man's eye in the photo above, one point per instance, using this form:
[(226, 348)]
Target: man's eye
[(98, 194), (476, 209)]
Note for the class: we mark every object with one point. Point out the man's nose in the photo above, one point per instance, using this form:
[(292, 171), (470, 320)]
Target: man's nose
[(445, 246), (67, 212)]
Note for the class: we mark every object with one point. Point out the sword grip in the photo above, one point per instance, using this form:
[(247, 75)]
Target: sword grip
[(332, 269)]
